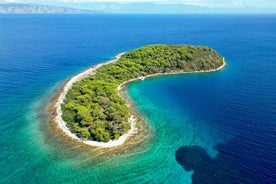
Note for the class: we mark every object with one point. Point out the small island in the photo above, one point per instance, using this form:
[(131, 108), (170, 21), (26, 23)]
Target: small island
[(90, 107)]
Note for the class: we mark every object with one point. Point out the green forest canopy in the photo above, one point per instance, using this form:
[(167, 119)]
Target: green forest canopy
[(93, 109)]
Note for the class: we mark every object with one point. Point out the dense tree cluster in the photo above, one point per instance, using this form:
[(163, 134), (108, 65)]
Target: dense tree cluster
[(94, 110)]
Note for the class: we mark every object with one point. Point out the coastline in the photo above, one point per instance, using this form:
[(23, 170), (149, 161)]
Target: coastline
[(62, 125), (121, 86), (132, 120)]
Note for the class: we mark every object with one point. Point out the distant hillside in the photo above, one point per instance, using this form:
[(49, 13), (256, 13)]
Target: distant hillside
[(12, 8), (89, 7), (160, 8)]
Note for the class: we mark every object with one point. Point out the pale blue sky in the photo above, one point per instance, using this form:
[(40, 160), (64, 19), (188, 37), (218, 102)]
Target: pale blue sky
[(161, 6), (209, 3)]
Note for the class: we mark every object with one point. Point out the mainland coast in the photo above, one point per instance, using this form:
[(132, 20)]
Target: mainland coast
[(134, 120)]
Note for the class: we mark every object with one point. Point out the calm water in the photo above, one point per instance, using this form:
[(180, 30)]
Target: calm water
[(203, 128)]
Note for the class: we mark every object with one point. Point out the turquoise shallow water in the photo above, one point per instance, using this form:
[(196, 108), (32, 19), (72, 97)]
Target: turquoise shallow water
[(203, 128)]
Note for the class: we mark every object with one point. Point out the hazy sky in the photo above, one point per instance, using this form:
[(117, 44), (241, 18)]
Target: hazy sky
[(210, 3)]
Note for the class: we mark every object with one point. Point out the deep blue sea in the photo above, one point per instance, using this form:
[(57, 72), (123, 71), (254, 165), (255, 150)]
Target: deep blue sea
[(203, 128)]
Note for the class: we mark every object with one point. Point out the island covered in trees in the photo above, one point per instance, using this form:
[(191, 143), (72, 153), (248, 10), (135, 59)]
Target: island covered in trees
[(94, 110)]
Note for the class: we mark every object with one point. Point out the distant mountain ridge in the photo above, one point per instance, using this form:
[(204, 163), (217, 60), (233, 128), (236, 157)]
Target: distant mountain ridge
[(13, 8), (96, 7), (165, 8)]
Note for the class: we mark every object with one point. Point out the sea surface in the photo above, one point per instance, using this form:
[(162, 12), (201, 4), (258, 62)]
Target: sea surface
[(202, 128)]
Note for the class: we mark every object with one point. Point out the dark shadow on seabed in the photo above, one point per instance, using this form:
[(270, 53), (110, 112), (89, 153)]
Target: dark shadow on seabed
[(231, 165)]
